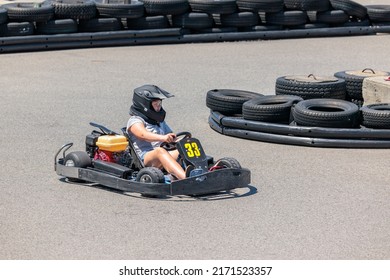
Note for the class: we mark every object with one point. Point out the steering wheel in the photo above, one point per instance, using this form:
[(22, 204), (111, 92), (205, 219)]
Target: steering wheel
[(179, 136)]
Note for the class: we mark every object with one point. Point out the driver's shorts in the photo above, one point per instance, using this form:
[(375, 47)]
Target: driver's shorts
[(142, 155)]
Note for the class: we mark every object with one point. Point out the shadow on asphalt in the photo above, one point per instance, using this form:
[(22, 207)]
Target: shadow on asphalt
[(234, 193)]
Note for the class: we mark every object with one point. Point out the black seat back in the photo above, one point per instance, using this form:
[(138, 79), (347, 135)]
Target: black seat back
[(138, 163)]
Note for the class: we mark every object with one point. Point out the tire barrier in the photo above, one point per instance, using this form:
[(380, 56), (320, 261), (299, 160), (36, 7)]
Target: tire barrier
[(130, 10), (29, 13), (56, 26), (228, 101), (306, 111), (326, 113), (109, 22), (310, 86), (80, 9), (219, 7), (272, 108), (293, 134), (307, 5), (378, 13), (376, 115), (350, 7), (354, 81)]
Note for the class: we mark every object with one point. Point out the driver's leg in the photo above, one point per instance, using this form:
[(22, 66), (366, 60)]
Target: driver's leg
[(174, 154), (160, 157)]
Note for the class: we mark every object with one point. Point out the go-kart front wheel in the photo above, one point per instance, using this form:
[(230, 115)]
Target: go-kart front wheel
[(150, 175), (228, 162)]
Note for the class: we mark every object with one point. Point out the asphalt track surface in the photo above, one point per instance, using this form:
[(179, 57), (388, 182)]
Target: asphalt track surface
[(303, 203)]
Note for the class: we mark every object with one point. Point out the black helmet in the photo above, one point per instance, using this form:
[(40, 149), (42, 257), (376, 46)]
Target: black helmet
[(142, 103)]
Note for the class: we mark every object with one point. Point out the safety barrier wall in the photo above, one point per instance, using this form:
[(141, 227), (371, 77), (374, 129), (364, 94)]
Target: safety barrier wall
[(168, 36)]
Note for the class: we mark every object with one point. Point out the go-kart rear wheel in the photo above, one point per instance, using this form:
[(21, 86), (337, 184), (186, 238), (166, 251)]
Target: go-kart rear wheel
[(228, 162), (150, 175), (77, 159)]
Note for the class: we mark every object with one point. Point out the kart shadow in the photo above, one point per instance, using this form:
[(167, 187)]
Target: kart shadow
[(234, 193)]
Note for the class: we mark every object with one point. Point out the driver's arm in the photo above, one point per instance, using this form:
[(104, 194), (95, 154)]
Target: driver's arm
[(139, 131)]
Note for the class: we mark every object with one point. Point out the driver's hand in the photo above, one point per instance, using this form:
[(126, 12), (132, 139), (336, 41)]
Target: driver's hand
[(170, 137)]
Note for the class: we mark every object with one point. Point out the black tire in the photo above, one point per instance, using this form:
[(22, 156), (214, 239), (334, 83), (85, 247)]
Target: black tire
[(193, 21), (311, 87), (356, 22), (274, 108), (326, 113), (286, 18), (310, 26), (3, 15), (357, 102), (378, 13), (152, 22), (77, 159), (354, 81), (17, 29), (228, 101), (216, 30), (30, 12), (100, 25), (166, 7), (262, 28), (329, 17), (228, 162), (131, 10), (57, 26), (352, 8), (82, 9), (240, 19), (376, 115), (150, 175), (268, 6), (213, 6), (307, 5)]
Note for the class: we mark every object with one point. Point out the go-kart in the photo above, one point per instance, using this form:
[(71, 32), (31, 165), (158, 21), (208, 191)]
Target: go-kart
[(110, 160)]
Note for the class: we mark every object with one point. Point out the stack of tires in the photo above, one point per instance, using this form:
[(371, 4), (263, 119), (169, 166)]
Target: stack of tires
[(205, 16), (54, 17), (20, 19), (193, 16), (46, 18), (304, 106)]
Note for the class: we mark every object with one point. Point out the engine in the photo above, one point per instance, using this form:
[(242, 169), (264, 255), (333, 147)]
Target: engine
[(110, 148)]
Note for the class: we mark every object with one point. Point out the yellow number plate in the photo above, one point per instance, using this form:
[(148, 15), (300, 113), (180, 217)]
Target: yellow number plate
[(192, 149)]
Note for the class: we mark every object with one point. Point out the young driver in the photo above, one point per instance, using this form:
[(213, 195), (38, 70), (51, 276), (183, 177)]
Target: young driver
[(147, 130)]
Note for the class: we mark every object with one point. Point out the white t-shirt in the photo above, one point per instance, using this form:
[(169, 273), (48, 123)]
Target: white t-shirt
[(142, 147)]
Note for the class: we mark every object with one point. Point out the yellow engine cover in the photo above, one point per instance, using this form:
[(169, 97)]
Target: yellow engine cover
[(112, 143)]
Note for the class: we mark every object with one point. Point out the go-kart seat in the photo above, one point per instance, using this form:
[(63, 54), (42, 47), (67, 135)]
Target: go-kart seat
[(138, 163)]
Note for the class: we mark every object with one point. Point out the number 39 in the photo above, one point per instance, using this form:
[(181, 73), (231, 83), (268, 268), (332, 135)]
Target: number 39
[(192, 149)]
